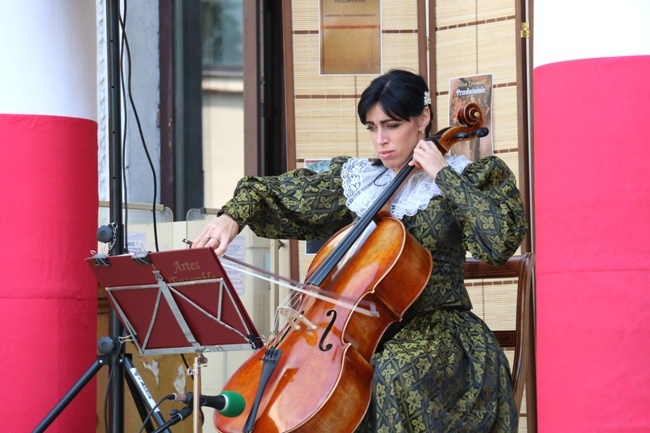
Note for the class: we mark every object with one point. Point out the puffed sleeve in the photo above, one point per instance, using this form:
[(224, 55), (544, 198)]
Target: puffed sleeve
[(300, 204), (488, 207)]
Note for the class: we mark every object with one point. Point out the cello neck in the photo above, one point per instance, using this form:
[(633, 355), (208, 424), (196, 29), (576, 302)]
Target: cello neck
[(359, 227)]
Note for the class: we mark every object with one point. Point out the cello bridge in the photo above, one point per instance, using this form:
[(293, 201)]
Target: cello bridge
[(294, 318)]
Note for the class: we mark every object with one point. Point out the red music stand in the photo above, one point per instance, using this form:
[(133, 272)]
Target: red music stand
[(179, 301)]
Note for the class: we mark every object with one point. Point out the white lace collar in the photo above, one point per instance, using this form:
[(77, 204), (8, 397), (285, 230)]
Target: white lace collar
[(364, 182)]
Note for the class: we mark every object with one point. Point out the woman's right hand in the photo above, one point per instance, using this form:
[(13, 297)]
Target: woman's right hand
[(217, 234)]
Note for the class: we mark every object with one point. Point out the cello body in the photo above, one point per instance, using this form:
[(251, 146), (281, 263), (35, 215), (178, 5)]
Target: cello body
[(323, 379)]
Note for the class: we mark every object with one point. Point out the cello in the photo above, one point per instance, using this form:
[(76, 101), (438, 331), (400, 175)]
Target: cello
[(315, 375)]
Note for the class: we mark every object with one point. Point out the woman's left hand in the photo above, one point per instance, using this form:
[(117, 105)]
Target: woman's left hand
[(427, 157)]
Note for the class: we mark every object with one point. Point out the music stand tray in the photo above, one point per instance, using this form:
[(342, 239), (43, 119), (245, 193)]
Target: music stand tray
[(178, 301)]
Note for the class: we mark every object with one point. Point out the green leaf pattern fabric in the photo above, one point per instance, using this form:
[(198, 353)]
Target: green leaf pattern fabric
[(441, 368)]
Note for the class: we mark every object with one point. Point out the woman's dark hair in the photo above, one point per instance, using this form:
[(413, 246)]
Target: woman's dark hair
[(400, 95)]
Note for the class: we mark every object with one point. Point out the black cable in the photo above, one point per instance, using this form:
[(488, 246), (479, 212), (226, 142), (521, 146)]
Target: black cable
[(153, 409), (126, 89), (125, 42), (187, 366)]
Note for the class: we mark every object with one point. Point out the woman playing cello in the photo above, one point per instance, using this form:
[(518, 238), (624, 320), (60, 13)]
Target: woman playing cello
[(440, 369)]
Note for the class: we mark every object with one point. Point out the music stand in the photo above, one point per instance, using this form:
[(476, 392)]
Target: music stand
[(179, 301)]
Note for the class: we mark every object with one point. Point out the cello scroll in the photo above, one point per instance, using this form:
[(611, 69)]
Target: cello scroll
[(471, 121)]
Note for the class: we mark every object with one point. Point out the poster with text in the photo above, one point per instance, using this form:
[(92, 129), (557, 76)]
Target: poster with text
[(465, 90), (350, 37)]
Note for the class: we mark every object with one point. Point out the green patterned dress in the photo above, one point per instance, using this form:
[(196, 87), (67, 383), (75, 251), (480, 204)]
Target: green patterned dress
[(441, 368)]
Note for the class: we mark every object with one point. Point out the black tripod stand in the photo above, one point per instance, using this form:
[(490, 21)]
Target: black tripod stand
[(142, 397)]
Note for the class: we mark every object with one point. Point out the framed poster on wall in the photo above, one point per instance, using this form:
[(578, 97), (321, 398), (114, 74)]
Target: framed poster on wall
[(350, 37)]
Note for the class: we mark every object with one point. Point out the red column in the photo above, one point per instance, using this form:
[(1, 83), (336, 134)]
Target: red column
[(48, 212), (592, 200)]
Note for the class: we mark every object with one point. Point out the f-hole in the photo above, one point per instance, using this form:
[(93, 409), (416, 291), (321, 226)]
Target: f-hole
[(327, 331)]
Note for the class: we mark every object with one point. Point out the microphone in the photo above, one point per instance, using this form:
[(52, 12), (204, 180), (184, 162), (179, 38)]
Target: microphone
[(228, 403)]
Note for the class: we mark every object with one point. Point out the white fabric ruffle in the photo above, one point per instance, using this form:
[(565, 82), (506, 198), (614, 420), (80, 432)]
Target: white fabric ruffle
[(364, 182)]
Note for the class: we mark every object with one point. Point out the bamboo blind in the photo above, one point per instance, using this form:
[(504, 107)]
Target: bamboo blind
[(471, 37), (326, 120)]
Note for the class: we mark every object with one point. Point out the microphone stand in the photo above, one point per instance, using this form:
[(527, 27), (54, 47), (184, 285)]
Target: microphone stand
[(176, 418), (199, 361)]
